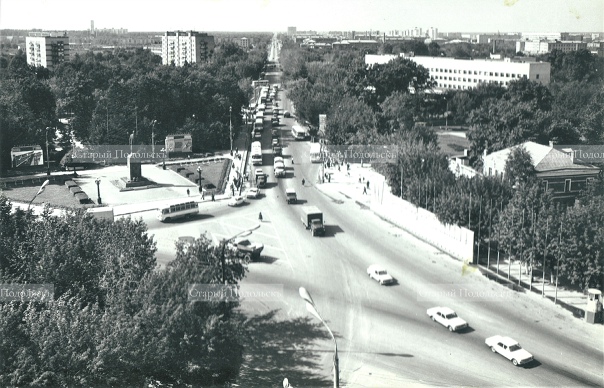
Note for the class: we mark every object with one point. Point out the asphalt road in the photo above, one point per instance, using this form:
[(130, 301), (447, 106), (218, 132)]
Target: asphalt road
[(384, 335)]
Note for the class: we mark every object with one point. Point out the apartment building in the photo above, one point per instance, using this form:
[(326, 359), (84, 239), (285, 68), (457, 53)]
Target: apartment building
[(547, 46), (180, 47), (46, 51)]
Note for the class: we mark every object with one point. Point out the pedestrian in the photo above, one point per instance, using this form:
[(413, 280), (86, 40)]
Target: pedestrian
[(260, 216), (359, 179), (329, 178), (368, 184), (364, 190), (292, 160), (203, 195), (213, 197), (347, 166), (188, 192), (303, 181)]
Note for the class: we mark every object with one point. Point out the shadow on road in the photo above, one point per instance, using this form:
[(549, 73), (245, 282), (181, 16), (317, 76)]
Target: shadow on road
[(332, 230), (264, 259), (274, 350), (196, 217)]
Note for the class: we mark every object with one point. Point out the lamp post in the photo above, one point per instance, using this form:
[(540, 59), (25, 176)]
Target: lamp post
[(231, 129), (310, 306), (199, 172), (47, 154), (153, 136), (98, 189), (40, 190), (163, 151), (224, 242)]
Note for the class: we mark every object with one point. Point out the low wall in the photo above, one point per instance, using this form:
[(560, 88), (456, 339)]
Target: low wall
[(452, 239)]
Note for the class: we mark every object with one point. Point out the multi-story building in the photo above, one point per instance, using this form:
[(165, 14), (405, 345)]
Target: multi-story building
[(47, 51), (547, 46), (451, 73), (357, 44), (244, 43), (181, 47)]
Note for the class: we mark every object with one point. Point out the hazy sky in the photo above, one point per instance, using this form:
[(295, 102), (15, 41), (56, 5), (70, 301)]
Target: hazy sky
[(319, 15)]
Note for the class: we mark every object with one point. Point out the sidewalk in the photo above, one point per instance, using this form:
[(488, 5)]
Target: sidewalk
[(346, 184)]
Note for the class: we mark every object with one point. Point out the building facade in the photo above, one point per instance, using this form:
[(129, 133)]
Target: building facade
[(547, 46), (461, 74), (555, 169), (47, 51), (180, 47)]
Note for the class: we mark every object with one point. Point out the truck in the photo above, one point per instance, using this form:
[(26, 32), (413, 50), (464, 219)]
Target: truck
[(290, 195), (312, 218), (260, 178), (103, 213)]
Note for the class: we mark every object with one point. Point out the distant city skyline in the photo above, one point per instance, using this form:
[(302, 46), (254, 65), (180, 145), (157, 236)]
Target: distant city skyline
[(318, 15)]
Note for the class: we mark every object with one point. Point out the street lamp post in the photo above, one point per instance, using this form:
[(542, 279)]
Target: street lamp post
[(47, 154), (40, 190), (310, 306), (231, 129), (153, 136), (199, 172), (224, 242), (163, 152), (98, 189)]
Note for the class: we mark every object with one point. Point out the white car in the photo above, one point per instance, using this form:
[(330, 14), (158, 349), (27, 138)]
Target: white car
[(278, 159), (254, 192), (379, 274), (447, 317), (236, 201), (509, 349)]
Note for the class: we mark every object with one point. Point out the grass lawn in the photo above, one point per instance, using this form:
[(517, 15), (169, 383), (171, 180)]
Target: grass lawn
[(212, 172), (55, 194), (452, 145)]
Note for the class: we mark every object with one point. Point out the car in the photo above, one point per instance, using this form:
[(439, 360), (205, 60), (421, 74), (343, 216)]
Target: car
[(291, 196), (287, 114), (509, 349), (275, 142), (247, 249), (379, 274), (254, 192), (257, 135), (278, 159), (236, 201), (447, 317)]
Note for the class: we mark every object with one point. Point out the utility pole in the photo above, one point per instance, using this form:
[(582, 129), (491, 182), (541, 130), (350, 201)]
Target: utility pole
[(231, 129)]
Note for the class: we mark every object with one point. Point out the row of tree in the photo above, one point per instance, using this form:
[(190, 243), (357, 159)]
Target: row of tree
[(109, 96), (114, 320)]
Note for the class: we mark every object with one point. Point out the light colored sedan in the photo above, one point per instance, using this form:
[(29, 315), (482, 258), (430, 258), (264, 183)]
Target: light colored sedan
[(236, 201), (447, 317), (379, 274), (509, 349), (254, 192)]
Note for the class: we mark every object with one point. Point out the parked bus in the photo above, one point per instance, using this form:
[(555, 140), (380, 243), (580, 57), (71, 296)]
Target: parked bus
[(298, 132), (256, 153), (184, 208), (315, 152)]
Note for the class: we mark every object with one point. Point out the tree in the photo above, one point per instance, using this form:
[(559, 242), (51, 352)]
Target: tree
[(519, 167)]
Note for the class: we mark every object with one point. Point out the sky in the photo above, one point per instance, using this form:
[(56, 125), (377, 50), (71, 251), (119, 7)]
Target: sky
[(316, 15)]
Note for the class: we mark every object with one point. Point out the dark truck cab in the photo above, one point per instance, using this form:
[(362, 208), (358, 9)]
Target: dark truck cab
[(312, 218)]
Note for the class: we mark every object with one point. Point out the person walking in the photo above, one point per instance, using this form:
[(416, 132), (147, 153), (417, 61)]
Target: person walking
[(203, 195), (188, 192), (213, 197), (364, 190), (260, 216), (303, 181)]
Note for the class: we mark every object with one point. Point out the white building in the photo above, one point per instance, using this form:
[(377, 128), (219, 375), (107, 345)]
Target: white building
[(451, 73), (47, 51), (180, 47)]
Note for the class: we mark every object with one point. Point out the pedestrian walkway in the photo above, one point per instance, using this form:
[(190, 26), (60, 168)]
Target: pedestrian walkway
[(346, 184)]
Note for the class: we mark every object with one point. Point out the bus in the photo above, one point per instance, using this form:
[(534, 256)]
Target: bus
[(315, 152), (256, 153), (298, 132), (184, 208)]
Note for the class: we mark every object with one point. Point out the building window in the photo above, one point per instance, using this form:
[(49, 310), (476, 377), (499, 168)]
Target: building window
[(544, 183), (491, 73), (567, 185), (537, 76), (490, 171), (496, 74)]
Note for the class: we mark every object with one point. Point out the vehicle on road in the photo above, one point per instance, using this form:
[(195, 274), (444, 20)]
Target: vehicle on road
[(287, 114), (260, 177), (247, 249), (256, 153), (312, 218), (257, 135), (379, 274), (185, 208), (315, 153), (447, 317), (278, 159), (298, 132), (277, 150), (275, 142), (103, 213), (509, 349), (275, 122), (275, 133), (236, 201), (254, 192), (291, 196), (279, 167), (259, 124)]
